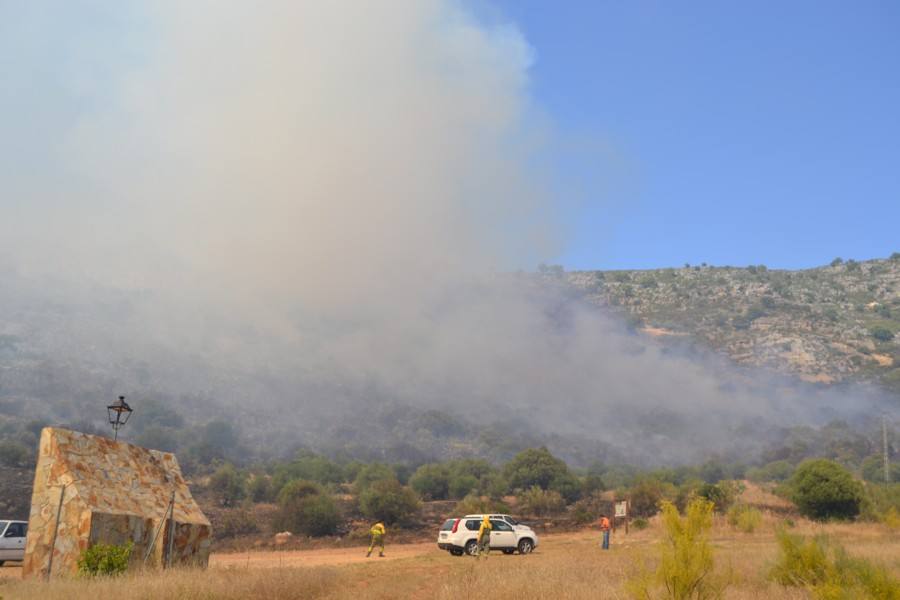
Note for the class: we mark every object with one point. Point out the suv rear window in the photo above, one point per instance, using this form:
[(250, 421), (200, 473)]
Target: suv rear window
[(448, 525)]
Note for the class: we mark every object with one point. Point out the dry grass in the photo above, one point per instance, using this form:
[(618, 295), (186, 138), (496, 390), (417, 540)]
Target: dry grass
[(567, 567)]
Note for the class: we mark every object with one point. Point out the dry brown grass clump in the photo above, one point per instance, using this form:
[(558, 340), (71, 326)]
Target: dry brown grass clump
[(566, 566), (185, 584)]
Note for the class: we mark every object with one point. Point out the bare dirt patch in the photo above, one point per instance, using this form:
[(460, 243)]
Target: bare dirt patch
[(321, 557)]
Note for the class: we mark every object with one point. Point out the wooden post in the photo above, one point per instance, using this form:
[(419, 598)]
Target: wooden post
[(171, 531), (62, 493), (162, 522)]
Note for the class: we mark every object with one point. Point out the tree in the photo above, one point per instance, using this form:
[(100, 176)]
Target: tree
[(388, 501), (872, 469), (535, 466), (305, 508), (645, 496), (538, 502), (158, 438), (308, 466), (822, 489), (431, 481), (371, 473), (461, 485), (837, 262), (13, 454), (778, 470), (227, 483), (882, 334), (259, 489)]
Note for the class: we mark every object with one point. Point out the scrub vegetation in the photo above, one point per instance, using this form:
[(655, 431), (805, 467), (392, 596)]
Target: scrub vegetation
[(838, 322), (569, 566)]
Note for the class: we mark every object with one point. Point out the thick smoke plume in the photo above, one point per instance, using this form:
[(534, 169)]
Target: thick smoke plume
[(318, 206)]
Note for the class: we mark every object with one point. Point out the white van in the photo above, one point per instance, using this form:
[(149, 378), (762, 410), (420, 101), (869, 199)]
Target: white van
[(458, 536), (12, 540)]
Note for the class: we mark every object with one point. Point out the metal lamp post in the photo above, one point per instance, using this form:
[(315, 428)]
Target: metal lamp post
[(118, 415)]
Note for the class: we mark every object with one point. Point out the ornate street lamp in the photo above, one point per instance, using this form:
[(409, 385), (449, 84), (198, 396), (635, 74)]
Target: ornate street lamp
[(118, 415)]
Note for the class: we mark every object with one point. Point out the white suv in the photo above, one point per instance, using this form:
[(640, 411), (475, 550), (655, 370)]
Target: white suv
[(458, 536), (12, 540)]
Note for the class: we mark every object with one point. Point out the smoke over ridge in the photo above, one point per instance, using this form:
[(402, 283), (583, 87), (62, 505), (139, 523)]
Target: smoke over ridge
[(317, 198)]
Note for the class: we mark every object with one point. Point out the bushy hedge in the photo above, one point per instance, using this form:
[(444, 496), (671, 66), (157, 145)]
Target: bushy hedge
[(388, 501), (304, 507), (826, 571), (105, 559), (823, 489)]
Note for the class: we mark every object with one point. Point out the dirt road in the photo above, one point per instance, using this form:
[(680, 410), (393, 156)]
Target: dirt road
[(314, 558), (329, 556)]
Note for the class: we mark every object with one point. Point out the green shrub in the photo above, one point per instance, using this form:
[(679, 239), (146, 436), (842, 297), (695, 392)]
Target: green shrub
[(308, 467), (462, 485), (473, 504), (779, 470), (891, 518), (388, 501), (590, 507), (879, 500), (686, 563), (303, 507), (882, 334), (105, 559), (645, 496), (640, 523), (538, 467), (722, 494), (744, 518), (236, 522), (227, 484), (872, 469), (536, 501), (13, 454), (823, 489), (259, 489), (827, 572), (369, 474), (432, 481)]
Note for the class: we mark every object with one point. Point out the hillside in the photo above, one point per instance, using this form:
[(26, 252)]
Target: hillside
[(828, 324)]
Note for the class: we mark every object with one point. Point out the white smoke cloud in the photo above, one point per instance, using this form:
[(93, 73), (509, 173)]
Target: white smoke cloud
[(322, 192)]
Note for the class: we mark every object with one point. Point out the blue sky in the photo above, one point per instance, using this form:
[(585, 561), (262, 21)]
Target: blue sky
[(727, 132)]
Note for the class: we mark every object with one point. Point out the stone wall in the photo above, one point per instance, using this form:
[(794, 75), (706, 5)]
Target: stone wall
[(114, 493)]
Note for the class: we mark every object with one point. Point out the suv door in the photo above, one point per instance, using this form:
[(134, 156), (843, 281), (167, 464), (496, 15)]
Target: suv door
[(12, 542), (502, 534)]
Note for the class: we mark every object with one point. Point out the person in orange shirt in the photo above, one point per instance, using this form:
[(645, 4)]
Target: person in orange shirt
[(604, 527)]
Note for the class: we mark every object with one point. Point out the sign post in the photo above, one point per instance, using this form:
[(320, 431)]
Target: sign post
[(622, 512)]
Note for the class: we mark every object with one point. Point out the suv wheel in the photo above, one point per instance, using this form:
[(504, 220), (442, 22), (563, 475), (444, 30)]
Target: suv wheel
[(508, 550), (471, 547), (456, 551), (526, 546)]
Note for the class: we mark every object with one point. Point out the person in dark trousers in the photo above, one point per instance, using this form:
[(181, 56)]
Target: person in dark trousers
[(604, 527), (484, 538)]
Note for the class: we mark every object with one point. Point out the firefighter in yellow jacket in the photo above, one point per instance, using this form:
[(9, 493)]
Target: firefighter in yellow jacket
[(484, 538), (377, 532)]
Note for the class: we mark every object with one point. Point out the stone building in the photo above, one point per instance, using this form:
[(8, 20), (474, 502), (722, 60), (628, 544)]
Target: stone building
[(90, 489)]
